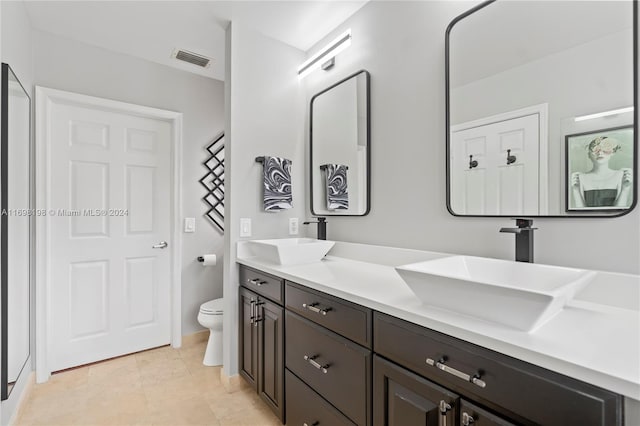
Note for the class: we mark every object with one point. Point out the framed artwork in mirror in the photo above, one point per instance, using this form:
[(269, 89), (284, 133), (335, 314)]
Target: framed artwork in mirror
[(599, 170)]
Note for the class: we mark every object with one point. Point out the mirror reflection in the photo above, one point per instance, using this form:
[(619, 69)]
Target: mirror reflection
[(541, 118), (340, 152), (16, 202)]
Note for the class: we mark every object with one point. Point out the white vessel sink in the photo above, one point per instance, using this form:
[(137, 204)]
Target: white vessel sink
[(291, 251), (516, 294)]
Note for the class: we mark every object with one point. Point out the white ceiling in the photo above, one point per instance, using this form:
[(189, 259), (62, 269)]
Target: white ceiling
[(153, 29)]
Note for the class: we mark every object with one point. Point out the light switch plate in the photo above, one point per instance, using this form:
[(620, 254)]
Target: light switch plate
[(245, 227), (293, 226), (189, 224)]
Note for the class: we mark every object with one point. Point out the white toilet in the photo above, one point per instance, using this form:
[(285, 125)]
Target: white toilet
[(210, 316)]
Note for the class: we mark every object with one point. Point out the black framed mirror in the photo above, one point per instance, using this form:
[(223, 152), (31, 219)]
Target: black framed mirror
[(340, 148), (541, 102), (15, 223)]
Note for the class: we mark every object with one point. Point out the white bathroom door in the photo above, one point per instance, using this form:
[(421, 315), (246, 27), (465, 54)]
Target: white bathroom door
[(109, 188), (495, 186)]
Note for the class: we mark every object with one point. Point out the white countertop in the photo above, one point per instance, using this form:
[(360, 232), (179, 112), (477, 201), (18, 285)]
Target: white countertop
[(595, 338)]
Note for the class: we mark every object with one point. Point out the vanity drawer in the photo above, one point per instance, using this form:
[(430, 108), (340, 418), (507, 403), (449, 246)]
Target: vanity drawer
[(262, 283), (336, 368), (517, 389), (348, 319), (305, 406)]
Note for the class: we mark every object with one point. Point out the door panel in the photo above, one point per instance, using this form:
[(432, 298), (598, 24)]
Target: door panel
[(88, 299), (495, 186), (108, 205), (408, 408), (141, 141), (511, 194), (140, 283), (141, 188), (89, 189), (402, 398), (248, 337), (270, 355)]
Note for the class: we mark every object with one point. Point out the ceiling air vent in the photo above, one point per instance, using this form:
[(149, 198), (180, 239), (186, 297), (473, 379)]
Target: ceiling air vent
[(192, 58)]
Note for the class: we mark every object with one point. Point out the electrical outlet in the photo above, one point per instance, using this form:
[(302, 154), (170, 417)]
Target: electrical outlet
[(293, 226), (245, 227), (189, 224)]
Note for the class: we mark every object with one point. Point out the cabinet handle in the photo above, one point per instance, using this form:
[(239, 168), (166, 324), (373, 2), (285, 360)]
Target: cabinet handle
[(257, 281), (444, 408), (311, 360), (310, 424), (475, 379), (257, 313), (252, 314), (313, 307), (467, 419)]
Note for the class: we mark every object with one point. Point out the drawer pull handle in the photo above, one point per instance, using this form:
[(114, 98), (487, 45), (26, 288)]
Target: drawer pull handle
[(467, 419), (311, 360), (475, 379), (313, 307), (256, 281), (310, 424)]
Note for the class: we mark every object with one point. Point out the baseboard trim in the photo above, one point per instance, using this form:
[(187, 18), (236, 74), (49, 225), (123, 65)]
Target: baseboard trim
[(232, 383)]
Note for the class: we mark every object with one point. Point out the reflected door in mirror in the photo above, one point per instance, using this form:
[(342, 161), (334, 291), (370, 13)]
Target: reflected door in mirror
[(494, 167)]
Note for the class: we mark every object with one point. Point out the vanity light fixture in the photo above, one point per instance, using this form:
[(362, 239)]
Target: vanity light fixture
[(325, 54), (603, 114)]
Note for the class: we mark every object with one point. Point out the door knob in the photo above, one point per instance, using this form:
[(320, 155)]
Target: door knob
[(161, 245)]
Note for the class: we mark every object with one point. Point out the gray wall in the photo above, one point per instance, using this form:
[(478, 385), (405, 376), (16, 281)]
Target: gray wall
[(77, 67), (402, 45), (265, 102)]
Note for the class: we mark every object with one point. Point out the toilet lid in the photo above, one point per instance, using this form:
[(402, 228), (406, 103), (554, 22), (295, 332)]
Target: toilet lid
[(212, 307)]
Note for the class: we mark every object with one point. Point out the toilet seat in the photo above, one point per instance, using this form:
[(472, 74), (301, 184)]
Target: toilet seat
[(212, 307)]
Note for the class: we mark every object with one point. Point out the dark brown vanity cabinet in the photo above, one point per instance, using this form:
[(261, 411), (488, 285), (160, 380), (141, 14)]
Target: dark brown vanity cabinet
[(508, 387), (262, 341), (345, 364), (328, 358)]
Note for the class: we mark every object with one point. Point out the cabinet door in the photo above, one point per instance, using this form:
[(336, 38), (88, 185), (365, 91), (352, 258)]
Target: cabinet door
[(248, 337), (270, 320), (472, 415), (402, 398)]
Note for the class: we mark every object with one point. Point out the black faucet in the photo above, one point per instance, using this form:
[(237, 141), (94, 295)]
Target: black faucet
[(322, 227), (524, 239)]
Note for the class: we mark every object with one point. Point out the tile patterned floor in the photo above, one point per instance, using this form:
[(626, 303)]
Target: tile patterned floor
[(163, 386)]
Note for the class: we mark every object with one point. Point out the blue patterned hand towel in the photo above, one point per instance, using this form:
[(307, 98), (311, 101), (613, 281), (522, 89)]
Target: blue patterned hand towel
[(336, 180), (277, 183)]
